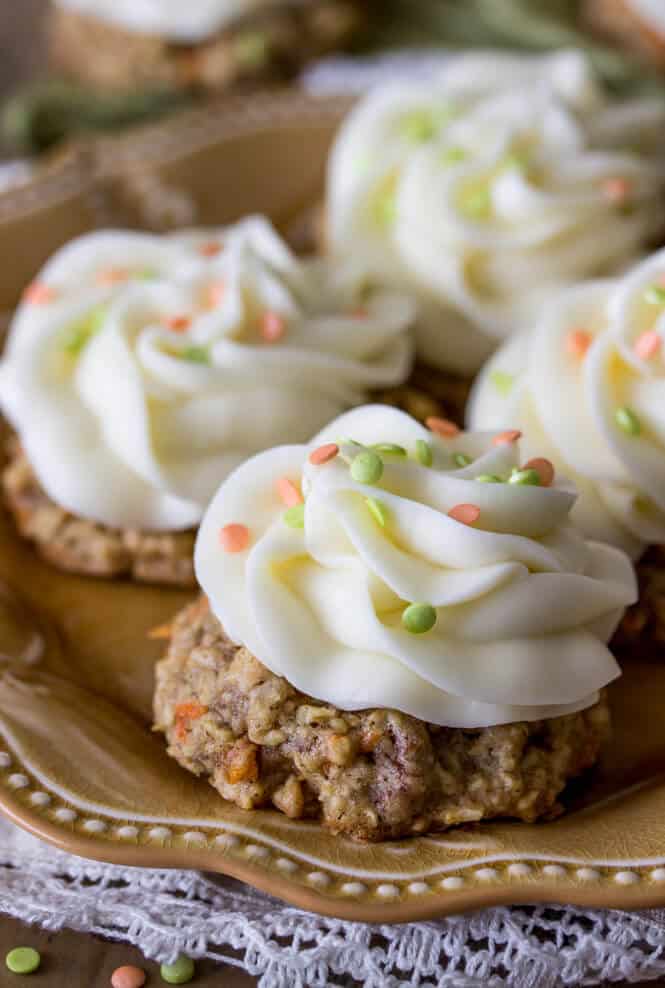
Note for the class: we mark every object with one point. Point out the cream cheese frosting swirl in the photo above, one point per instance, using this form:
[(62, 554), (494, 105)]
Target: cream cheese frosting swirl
[(141, 369), (176, 20), (587, 388), (445, 582), (486, 190)]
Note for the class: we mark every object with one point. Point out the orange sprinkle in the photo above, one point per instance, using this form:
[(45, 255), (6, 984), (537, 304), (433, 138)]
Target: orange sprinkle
[(38, 293), (360, 312), (467, 514), (273, 326), (160, 631), (214, 294), (324, 453), (509, 436), (288, 492), (184, 712), (178, 324), (210, 249), (578, 342), (234, 537), (543, 468), (111, 276), (442, 427), (616, 190), (128, 976), (648, 344)]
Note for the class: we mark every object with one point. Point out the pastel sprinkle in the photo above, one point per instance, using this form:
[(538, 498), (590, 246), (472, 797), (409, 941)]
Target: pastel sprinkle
[(386, 210), (418, 619), (452, 156), (367, 467), (655, 295), (502, 381), (477, 203), (616, 190), (234, 537), (578, 342), (111, 276), (178, 324), (294, 517), (128, 977), (628, 421), (178, 973), (418, 126), (38, 293), (288, 492), (442, 427), (377, 510), (195, 354), (389, 449), (525, 477), (273, 326), (214, 294), (544, 468), (423, 453), (322, 454), (489, 478), (82, 331), (210, 249), (648, 344), (145, 274), (509, 436), (467, 514), (461, 459), (23, 960)]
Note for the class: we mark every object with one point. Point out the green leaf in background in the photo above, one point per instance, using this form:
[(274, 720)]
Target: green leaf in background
[(529, 25)]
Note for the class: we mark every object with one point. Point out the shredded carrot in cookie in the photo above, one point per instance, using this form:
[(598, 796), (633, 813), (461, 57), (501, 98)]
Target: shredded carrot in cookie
[(184, 712)]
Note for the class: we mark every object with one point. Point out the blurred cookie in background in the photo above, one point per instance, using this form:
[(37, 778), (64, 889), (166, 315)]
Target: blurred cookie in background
[(209, 44)]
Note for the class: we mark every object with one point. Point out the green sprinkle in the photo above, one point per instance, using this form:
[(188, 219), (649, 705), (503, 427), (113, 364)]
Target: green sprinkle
[(452, 156), (389, 449), (502, 381), (461, 459), (295, 517), (489, 478), (655, 295), (423, 452), (195, 354), (367, 467), (477, 203), (628, 421), (418, 618), (385, 210), (23, 960), (145, 274), (418, 126), (178, 973), (81, 332), (377, 510), (525, 477), (515, 160), (252, 49)]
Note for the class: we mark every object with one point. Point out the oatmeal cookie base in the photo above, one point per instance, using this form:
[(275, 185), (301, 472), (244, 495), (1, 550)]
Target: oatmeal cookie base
[(371, 775), (79, 545), (271, 44)]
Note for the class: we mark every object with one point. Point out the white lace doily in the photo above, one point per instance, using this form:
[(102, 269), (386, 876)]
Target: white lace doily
[(164, 913)]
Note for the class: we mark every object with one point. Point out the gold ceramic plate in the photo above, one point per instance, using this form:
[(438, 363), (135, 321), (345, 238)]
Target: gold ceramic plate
[(79, 765)]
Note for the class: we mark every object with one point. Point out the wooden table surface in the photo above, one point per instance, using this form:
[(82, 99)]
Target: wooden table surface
[(76, 960)]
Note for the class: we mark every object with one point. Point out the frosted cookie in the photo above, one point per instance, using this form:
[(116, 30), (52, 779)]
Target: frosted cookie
[(140, 370), (394, 613), (209, 44), (490, 188), (587, 389)]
